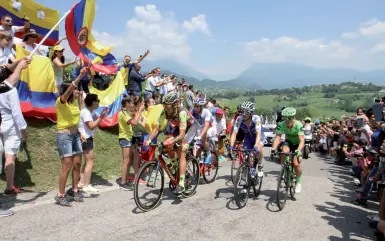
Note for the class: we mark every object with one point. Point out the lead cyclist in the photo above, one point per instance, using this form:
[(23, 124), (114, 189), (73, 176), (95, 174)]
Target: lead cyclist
[(295, 141)]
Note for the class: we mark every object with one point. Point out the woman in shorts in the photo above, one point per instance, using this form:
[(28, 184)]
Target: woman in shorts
[(87, 126), (68, 141)]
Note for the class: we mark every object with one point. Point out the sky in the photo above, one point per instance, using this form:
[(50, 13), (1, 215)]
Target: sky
[(223, 38)]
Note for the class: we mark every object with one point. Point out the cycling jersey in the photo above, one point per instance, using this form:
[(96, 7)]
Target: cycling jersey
[(171, 125), (250, 132), (204, 116), (291, 134)]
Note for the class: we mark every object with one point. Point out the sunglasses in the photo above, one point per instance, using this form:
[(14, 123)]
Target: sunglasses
[(246, 112), (289, 118), (98, 101), (168, 106), (9, 21)]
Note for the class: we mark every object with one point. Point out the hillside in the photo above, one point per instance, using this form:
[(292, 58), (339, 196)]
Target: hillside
[(321, 100)]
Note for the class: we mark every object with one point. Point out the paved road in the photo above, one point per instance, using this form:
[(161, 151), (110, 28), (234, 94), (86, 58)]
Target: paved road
[(322, 212)]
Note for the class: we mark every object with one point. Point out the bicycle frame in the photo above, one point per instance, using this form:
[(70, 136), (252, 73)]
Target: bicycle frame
[(161, 163)]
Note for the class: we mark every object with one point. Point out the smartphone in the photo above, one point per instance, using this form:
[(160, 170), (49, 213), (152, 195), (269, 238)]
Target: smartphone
[(359, 123), (377, 111)]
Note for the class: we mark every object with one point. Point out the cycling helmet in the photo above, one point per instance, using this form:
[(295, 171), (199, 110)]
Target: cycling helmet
[(249, 106), (199, 101), (170, 98), (307, 119), (317, 122), (239, 107), (289, 112)]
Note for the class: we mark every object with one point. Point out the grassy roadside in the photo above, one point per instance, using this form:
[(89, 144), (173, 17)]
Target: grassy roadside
[(38, 166)]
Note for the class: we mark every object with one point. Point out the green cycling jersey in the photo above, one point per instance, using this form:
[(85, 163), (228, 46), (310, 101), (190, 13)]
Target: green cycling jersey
[(291, 134)]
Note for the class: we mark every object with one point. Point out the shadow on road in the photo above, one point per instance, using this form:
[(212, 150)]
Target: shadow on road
[(350, 220)]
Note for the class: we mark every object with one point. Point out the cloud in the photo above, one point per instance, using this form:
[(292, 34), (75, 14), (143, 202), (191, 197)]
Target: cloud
[(159, 32), (364, 49), (349, 35), (198, 23)]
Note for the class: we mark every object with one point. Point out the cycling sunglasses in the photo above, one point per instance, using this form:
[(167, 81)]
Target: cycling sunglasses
[(246, 112), (289, 117)]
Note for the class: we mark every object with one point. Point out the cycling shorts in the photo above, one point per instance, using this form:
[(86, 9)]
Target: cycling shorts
[(291, 146)]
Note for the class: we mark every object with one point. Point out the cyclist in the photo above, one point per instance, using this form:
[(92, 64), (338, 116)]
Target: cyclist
[(179, 126), (205, 119), (251, 127), (295, 140)]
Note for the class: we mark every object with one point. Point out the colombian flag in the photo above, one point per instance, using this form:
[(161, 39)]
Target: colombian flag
[(112, 99), (78, 26), (37, 87), (42, 19)]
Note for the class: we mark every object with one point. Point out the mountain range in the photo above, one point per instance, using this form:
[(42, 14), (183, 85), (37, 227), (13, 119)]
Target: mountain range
[(269, 75)]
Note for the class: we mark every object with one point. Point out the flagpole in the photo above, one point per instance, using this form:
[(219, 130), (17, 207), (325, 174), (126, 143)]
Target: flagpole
[(48, 34)]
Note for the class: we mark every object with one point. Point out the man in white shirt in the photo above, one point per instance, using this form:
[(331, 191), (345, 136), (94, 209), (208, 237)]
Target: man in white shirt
[(153, 82), (171, 86), (7, 25)]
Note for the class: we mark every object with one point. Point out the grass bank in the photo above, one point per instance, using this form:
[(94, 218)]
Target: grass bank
[(38, 166)]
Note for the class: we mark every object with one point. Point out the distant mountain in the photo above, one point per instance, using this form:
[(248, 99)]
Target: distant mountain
[(174, 66), (285, 75)]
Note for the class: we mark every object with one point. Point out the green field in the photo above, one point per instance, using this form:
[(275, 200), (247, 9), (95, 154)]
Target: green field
[(317, 104)]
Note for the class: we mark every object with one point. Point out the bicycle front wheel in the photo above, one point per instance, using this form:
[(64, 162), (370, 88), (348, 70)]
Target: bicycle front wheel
[(149, 186), (282, 188), (192, 177), (236, 162), (210, 171), (242, 185)]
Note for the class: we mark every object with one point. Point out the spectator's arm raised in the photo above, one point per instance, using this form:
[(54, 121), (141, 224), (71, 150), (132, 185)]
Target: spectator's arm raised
[(72, 87)]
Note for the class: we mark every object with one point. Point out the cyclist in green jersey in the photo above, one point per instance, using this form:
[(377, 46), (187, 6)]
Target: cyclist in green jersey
[(294, 140), (180, 127)]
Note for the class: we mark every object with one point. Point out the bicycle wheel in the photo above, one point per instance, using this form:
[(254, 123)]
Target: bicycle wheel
[(293, 183), (242, 185), (282, 196), (210, 171), (192, 177), (150, 172), (257, 184), (235, 165)]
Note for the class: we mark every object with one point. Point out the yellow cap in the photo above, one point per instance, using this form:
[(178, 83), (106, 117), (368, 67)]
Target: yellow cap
[(58, 48)]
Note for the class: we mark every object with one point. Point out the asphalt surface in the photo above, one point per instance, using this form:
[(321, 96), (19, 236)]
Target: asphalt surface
[(322, 211)]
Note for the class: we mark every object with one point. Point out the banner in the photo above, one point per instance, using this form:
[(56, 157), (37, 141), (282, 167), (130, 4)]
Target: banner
[(37, 87), (83, 44), (42, 19)]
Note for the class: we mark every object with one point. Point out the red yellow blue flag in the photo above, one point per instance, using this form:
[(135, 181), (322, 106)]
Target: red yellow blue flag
[(83, 44)]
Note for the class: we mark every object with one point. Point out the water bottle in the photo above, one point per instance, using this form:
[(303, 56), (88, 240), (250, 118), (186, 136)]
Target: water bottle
[(208, 159)]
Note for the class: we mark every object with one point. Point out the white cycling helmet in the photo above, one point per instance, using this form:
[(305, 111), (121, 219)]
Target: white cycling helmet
[(248, 106), (199, 101)]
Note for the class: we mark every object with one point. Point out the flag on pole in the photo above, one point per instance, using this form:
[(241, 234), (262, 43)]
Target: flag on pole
[(79, 35)]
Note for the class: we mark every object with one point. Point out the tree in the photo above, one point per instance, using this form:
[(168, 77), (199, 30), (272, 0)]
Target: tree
[(67, 76), (330, 95), (302, 113)]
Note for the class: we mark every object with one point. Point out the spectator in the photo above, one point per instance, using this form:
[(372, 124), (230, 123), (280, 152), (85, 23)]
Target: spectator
[(68, 141), (126, 119), (7, 25), (30, 42), (162, 87), (135, 80), (87, 126), (126, 63), (151, 84), (13, 130), (342, 143), (172, 86), (59, 64), (86, 81), (188, 98)]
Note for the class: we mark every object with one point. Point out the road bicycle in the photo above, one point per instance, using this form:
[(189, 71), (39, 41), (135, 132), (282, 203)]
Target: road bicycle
[(153, 175), (287, 180), (244, 180), (207, 170)]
